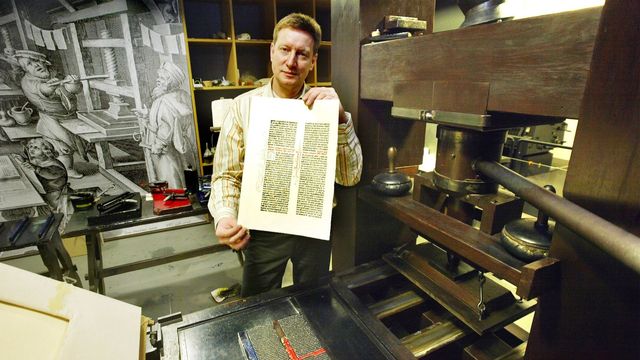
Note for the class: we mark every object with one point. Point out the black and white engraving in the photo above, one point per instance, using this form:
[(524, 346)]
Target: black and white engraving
[(93, 97)]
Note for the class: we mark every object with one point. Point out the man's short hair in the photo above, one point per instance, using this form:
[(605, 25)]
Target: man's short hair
[(302, 22), (47, 148)]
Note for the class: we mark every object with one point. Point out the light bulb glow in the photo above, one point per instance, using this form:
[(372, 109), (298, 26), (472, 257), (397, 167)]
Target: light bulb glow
[(529, 8)]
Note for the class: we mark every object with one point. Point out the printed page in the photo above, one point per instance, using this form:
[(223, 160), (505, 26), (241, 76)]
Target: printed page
[(289, 167)]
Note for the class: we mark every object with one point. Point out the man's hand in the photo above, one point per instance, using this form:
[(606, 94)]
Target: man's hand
[(142, 113), (72, 84), (324, 93), (158, 148), (231, 234), (49, 87)]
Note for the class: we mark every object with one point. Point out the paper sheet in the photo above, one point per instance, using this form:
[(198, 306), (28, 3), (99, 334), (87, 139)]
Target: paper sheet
[(172, 44), (21, 323), (95, 327), (7, 169), (289, 168), (146, 41), (28, 30), (37, 35), (48, 39), (181, 44), (156, 41), (58, 36), (20, 192), (219, 110)]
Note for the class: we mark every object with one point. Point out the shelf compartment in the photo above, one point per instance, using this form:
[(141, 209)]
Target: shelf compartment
[(255, 17), (286, 7), (202, 102), (212, 62), (207, 18), (253, 60), (323, 68), (323, 17)]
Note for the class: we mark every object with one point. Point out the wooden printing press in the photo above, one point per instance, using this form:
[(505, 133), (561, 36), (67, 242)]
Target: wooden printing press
[(392, 299)]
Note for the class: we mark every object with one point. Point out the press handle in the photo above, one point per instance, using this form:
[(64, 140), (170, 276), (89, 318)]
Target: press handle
[(542, 222), (391, 155)]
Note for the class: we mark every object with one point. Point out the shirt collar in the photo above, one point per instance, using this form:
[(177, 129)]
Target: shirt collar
[(272, 93)]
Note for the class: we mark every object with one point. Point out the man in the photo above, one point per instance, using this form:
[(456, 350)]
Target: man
[(55, 101), (169, 134), (294, 52)]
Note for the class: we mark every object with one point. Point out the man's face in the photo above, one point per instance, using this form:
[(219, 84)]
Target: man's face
[(163, 78), (292, 58), (36, 68), (35, 150)]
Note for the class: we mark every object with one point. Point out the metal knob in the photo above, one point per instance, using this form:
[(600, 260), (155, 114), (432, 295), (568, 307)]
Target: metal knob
[(391, 156), (391, 182)]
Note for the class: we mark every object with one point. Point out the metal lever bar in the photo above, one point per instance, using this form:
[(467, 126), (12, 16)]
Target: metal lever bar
[(612, 239), (90, 77), (482, 307)]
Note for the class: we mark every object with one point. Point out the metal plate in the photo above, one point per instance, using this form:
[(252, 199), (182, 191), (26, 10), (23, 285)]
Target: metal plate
[(213, 333)]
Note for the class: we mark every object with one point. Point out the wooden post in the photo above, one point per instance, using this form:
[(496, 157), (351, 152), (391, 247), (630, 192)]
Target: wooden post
[(595, 312), (351, 24)]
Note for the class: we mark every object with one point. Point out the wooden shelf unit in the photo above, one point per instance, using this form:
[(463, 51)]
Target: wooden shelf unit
[(213, 50)]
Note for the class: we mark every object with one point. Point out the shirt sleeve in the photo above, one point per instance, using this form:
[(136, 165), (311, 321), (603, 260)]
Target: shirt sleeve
[(227, 167), (349, 157)]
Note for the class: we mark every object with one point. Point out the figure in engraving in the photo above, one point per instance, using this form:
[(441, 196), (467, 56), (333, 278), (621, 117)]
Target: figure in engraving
[(46, 172), (168, 128), (169, 10), (56, 102)]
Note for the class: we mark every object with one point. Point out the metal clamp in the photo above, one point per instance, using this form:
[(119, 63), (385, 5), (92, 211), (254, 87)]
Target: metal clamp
[(473, 121), (482, 307)]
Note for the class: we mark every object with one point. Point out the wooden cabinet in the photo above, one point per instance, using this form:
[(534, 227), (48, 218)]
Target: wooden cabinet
[(217, 49)]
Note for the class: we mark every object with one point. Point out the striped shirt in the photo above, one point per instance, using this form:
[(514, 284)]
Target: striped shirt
[(229, 156)]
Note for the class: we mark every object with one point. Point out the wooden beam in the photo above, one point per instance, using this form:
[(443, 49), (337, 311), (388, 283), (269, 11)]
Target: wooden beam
[(533, 66), (539, 277), (97, 11), (474, 247), (112, 89), (5, 19), (67, 6), (75, 43)]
